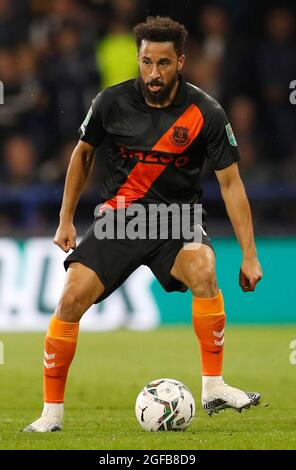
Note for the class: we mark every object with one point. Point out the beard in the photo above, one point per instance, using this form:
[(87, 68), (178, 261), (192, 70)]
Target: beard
[(161, 96)]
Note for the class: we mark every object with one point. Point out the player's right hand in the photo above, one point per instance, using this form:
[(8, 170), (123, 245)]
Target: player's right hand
[(65, 236)]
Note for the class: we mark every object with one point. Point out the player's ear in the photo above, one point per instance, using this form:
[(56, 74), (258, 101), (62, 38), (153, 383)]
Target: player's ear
[(181, 61)]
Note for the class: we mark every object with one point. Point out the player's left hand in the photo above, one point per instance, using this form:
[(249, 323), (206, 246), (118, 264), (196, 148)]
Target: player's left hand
[(250, 273)]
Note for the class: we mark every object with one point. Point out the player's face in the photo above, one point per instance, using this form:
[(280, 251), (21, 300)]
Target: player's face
[(159, 66)]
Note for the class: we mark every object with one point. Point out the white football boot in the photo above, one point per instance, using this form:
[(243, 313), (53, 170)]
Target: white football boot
[(51, 419), (217, 395)]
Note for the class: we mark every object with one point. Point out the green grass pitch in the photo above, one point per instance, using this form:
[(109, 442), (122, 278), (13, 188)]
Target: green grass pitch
[(110, 369)]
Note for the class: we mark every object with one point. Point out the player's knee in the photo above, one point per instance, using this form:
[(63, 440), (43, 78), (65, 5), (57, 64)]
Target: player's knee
[(201, 278), (70, 307)]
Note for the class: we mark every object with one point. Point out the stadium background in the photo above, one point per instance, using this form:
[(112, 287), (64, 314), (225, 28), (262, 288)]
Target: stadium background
[(55, 55)]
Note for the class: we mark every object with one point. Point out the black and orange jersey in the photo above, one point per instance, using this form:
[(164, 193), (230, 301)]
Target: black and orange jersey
[(155, 155)]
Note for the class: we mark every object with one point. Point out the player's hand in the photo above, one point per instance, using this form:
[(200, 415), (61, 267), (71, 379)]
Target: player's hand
[(250, 273), (65, 236)]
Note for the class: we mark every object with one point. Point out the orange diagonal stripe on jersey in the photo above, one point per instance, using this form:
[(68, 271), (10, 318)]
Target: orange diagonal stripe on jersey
[(137, 184), (191, 120)]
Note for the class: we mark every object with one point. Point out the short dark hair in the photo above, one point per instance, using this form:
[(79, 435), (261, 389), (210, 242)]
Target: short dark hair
[(161, 29)]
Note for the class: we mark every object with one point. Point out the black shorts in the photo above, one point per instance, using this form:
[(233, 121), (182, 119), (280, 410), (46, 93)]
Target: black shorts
[(114, 260)]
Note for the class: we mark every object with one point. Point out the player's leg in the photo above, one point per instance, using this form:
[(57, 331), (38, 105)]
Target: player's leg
[(81, 289), (196, 269)]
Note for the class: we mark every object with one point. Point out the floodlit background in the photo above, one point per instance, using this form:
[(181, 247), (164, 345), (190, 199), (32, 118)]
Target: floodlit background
[(55, 56)]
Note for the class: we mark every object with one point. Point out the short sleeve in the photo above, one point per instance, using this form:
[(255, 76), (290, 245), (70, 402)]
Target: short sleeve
[(221, 145), (92, 130)]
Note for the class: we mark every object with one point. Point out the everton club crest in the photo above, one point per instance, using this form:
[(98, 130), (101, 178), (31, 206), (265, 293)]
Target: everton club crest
[(180, 135)]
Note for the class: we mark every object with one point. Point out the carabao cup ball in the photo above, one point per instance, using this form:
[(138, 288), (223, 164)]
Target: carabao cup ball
[(165, 405)]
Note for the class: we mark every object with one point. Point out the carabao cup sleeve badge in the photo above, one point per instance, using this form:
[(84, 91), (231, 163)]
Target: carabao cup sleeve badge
[(230, 135)]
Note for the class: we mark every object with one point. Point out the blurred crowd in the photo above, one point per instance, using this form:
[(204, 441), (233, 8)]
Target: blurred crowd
[(55, 55)]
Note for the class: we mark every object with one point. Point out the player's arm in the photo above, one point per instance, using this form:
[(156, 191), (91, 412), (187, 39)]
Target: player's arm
[(92, 133), (223, 154), (79, 169), (239, 212)]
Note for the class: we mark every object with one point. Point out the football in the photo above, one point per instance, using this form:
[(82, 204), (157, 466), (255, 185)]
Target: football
[(165, 405)]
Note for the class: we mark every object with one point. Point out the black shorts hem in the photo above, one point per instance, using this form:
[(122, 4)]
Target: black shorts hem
[(167, 281), (76, 259)]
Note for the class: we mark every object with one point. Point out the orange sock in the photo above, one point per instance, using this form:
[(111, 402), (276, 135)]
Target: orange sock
[(59, 350), (209, 321)]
